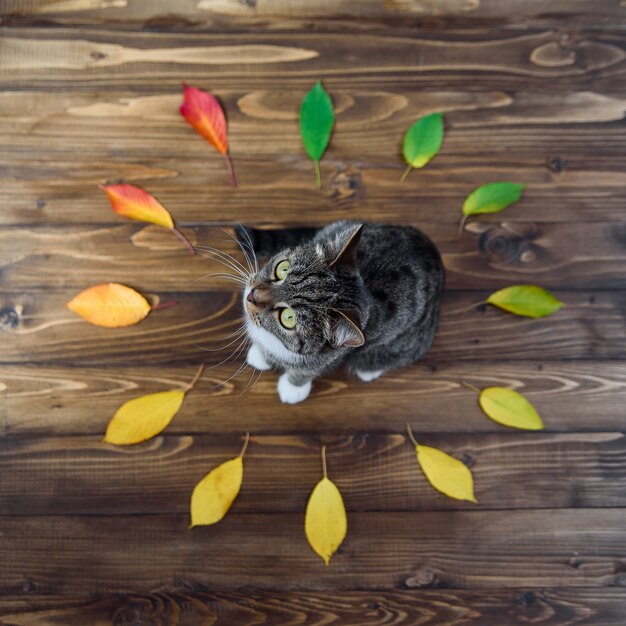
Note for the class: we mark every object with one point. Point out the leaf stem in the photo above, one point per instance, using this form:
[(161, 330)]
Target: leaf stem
[(318, 174), (471, 307), (411, 437), (184, 239), (406, 172), (462, 224), (245, 445), (471, 387), (192, 384), (324, 472), (231, 173), (164, 305)]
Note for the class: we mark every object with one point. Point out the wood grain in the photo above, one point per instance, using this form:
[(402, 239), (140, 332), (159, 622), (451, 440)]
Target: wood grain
[(460, 549), (581, 396), (489, 254), (81, 475), (427, 607), (188, 14), (39, 329), (93, 58)]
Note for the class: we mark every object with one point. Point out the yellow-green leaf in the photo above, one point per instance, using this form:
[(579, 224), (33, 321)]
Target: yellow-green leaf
[(213, 496), (422, 142), (509, 408), (527, 300), (446, 474), (144, 417), (325, 522)]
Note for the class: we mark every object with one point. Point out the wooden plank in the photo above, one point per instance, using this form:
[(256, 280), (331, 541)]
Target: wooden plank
[(81, 475), (39, 329), (46, 401), (94, 58), (47, 136), (58, 146), (461, 549), (489, 254), (160, 14), (427, 607)]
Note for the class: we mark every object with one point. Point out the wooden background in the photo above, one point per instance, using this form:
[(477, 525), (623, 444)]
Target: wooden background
[(532, 92)]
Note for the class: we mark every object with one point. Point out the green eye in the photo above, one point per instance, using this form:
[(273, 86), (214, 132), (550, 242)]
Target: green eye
[(281, 270), (287, 318)]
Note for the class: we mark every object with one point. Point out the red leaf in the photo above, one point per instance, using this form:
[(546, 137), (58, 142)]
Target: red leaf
[(204, 113)]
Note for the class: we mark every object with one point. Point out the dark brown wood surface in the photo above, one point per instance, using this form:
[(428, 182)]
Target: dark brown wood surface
[(95, 534)]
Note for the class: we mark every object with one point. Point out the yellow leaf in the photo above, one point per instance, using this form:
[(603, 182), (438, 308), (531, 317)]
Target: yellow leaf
[(509, 408), (325, 522), (111, 305), (144, 417), (444, 473), (213, 496)]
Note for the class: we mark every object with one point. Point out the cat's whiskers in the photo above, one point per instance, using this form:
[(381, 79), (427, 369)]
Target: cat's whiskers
[(253, 269), (236, 336), (250, 247), (241, 368), (250, 387), (225, 275), (224, 259)]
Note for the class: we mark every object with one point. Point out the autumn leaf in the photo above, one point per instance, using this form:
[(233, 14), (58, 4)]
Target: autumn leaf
[(203, 111), (317, 118), (136, 204), (490, 198), (325, 522), (213, 496), (526, 300), (445, 473), (422, 142), (110, 305), (508, 407), (144, 417)]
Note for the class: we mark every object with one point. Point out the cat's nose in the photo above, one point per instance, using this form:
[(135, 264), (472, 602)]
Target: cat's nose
[(259, 297)]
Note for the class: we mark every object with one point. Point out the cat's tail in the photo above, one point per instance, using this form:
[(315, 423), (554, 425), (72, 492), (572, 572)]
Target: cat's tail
[(266, 243)]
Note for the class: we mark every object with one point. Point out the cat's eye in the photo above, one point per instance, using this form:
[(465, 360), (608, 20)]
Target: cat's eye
[(287, 318), (281, 270)]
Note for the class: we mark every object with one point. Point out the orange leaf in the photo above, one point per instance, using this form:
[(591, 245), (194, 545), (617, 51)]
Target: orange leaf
[(111, 305), (204, 113), (137, 204)]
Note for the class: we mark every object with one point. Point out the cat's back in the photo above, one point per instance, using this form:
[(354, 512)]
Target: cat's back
[(393, 256)]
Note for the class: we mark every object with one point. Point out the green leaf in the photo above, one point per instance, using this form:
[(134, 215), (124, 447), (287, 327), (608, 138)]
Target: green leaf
[(509, 408), (316, 124), (491, 198), (526, 300), (422, 142)]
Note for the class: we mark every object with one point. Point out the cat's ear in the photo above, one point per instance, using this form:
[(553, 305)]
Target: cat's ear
[(345, 253), (346, 330)]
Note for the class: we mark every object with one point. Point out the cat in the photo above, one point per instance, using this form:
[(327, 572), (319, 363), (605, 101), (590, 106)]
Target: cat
[(362, 295)]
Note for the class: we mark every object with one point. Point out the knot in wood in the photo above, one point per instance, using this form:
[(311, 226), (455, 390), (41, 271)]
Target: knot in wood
[(346, 185), (141, 612), (9, 318), (501, 244), (424, 577)]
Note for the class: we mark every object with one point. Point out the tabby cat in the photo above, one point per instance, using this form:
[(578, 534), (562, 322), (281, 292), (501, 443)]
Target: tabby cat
[(362, 295)]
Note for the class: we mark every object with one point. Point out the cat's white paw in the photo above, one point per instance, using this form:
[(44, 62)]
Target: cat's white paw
[(256, 359), (367, 377), (290, 393)]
